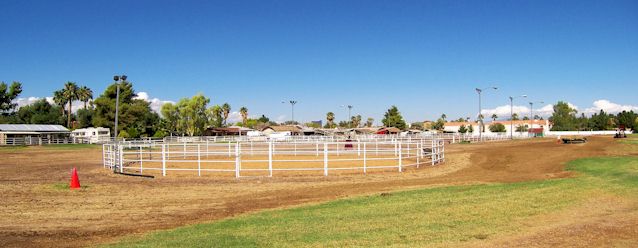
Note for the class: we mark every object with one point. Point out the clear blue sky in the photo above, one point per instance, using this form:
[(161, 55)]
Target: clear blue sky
[(426, 57)]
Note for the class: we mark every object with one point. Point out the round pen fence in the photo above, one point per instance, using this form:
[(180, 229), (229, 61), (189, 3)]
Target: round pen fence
[(268, 158)]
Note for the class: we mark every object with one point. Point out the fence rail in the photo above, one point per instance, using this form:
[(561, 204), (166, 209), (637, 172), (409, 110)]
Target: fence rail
[(263, 158)]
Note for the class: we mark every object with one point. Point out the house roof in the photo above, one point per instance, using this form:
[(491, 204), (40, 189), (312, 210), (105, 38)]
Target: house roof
[(283, 128), (33, 128), (390, 129)]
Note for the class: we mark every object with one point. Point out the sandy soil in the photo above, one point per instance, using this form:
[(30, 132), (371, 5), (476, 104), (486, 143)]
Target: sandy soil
[(35, 211)]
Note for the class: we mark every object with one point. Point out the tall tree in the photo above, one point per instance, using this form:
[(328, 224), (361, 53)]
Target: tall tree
[(514, 117), (356, 121), (7, 95), (393, 118), (369, 122), (494, 117), (85, 94), (564, 117), (40, 112), (330, 118), (216, 116), (444, 117), (192, 114), (439, 124), (135, 115), (244, 115), (58, 99), (226, 112), (70, 93)]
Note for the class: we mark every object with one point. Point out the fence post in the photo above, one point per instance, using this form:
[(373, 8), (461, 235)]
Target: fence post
[(365, 161), (317, 147), (207, 148), (184, 153), (400, 158), (237, 158), (270, 158), (325, 159), (199, 161), (121, 159), (417, 155), (395, 147), (103, 156), (433, 151), (229, 149), (358, 147), (141, 160), (164, 159)]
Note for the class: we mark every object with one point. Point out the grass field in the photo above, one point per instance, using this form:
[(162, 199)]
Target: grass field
[(441, 216)]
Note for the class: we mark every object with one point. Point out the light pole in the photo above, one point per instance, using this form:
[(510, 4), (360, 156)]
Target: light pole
[(118, 80), (292, 106), (512, 114), (481, 109), (531, 112), (349, 112)]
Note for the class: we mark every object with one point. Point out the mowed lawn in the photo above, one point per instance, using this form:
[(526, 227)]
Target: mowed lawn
[(428, 217)]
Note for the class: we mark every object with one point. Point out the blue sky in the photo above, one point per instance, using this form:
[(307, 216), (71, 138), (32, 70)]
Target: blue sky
[(426, 57)]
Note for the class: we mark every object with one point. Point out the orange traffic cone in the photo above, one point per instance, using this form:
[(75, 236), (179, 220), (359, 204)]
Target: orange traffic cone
[(75, 180)]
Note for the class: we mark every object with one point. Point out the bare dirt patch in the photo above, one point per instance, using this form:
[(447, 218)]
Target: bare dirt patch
[(36, 211)]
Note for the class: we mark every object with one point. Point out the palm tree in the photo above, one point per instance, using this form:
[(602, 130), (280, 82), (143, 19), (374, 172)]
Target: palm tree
[(58, 99), (70, 93), (369, 122), (216, 118), (443, 116), (356, 121), (494, 117), (515, 117), (244, 115), (225, 111), (330, 117), (85, 94)]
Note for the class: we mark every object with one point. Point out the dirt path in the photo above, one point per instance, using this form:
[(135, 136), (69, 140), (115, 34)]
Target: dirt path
[(36, 213)]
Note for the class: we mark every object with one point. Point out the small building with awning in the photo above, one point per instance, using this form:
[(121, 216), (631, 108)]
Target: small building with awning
[(32, 134)]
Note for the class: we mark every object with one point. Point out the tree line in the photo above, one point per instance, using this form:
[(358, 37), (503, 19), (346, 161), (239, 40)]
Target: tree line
[(191, 116)]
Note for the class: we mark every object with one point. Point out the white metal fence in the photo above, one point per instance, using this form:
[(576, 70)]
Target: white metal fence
[(34, 141), (263, 158)]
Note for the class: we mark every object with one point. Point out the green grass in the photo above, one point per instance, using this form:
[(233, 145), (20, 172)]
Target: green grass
[(441, 216)]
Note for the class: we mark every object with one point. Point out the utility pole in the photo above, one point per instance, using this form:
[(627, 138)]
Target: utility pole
[(118, 80), (512, 114), (480, 117)]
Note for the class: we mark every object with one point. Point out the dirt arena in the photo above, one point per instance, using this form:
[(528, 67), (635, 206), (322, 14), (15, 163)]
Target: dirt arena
[(37, 211)]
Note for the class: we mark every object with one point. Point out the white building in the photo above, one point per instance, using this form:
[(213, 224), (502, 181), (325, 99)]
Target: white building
[(91, 135), (532, 125)]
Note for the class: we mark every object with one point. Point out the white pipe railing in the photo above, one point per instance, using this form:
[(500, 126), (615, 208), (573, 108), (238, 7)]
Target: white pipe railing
[(272, 156)]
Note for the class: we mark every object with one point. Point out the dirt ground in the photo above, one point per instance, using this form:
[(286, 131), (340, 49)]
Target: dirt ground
[(36, 210)]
